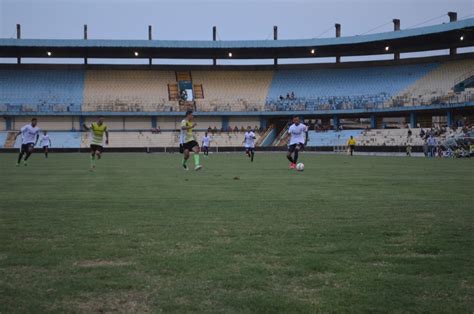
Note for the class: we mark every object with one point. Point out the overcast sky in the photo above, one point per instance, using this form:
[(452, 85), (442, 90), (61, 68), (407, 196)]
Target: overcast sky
[(244, 19)]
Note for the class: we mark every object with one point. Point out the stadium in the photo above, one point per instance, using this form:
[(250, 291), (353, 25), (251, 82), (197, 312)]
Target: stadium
[(381, 224)]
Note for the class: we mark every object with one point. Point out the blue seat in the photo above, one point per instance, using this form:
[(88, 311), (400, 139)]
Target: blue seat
[(42, 90)]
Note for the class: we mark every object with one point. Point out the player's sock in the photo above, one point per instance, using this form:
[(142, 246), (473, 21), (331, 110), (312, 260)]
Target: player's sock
[(20, 156), (27, 156), (46, 154), (296, 157), (184, 164), (92, 161), (196, 159), (251, 158), (290, 159)]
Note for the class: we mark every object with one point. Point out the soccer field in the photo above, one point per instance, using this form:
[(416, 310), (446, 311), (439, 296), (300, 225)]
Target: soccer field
[(359, 234)]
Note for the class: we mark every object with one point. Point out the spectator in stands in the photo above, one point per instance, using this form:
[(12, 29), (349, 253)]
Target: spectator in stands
[(281, 97), (425, 147), (242, 129), (214, 131), (292, 96), (432, 143), (288, 96), (236, 129), (422, 133)]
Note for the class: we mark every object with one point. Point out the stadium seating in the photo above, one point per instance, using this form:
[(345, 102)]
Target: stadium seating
[(345, 88), (60, 140), (41, 90), (128, 90), (3, 138), (437, 83), (377, 137), (232, 90)]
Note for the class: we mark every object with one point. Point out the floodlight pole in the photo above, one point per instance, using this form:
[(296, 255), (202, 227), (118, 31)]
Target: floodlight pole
[(214, 38), (338, 34), (18, 36), (150, 38), (275, 37), (396, 28), (85, 38), (453, 17)]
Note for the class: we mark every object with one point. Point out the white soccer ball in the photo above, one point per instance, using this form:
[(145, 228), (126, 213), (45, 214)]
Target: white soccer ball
[(300, 166)]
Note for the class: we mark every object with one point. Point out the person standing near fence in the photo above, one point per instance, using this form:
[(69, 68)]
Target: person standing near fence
[(351, 143)]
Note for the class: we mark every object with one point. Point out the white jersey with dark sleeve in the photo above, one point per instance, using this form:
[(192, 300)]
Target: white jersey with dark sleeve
[(297, 133)]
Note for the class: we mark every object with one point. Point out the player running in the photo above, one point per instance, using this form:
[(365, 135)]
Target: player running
[(29, 138), (206, 143), (45, 142), (297, 139), (249, 142), (98, 129), (188, 142)]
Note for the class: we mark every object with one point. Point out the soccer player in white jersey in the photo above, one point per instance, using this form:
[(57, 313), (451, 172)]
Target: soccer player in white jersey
[(29, 137), (206, 143), (297, 139), (249, 142), (45, 142)]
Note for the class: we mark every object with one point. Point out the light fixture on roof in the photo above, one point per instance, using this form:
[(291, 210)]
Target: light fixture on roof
[(48, 53), (230, 54), (387, 48), (136, 53), (461, 38), (313, 51)]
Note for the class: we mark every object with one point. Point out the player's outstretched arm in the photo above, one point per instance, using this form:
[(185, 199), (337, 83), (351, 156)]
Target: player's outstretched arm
[(18, 134), (106, 137), (86, 127), (37, 138)]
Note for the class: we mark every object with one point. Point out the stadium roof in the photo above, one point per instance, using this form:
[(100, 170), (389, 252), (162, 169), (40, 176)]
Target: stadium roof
[(435, 37)]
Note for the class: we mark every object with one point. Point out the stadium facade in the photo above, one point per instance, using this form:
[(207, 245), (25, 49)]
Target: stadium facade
[(136, 99)]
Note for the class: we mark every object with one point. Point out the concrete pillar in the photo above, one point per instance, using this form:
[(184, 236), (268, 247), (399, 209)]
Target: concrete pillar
[(396, 28), (373, 122), (8, 124), (453, 17), (214, 38), (450, 119), (150, 38), (335, 121), (275, 37), (263, 122), (338, 34), (225, 122), (82, 120), (18, 36), (85, 38), (412, 120), (154, 122)]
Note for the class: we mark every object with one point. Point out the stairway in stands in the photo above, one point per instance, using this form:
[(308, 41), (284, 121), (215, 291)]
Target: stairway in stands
[(10, 142)]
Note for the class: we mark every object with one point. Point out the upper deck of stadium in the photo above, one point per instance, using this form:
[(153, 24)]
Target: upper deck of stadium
[(456, 34)]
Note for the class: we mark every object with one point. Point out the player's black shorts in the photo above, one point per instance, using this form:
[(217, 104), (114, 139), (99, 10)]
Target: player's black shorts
[(95, 148), (46, 146), (26, 147), (250, 149), (352, 147), (292, 148), (190, 145)]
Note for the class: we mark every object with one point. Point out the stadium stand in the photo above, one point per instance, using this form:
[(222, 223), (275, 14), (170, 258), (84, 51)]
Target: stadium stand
[(437, 84), (331, 138), (3, 139), (41, 90), (347, 88), (60, 140), (232, 90), (128, 90)]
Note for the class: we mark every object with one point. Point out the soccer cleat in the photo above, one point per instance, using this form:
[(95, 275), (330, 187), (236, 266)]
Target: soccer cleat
[(292, 165), (25, 163), (17, 164), (198, 167), (185, 167)]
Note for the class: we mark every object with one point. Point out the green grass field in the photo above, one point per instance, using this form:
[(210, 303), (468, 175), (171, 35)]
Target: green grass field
[(354, 234)]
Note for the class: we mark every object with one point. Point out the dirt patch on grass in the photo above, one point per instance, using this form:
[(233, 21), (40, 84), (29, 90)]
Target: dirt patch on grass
[(101, 263), (119, 302)]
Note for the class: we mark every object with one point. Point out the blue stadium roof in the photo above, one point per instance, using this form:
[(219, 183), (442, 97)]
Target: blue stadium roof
[(417, 39)]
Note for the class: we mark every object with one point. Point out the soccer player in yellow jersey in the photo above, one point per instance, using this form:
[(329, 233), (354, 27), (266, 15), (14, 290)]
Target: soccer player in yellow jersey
[(98, 129), (351, 143), (187, 142)]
